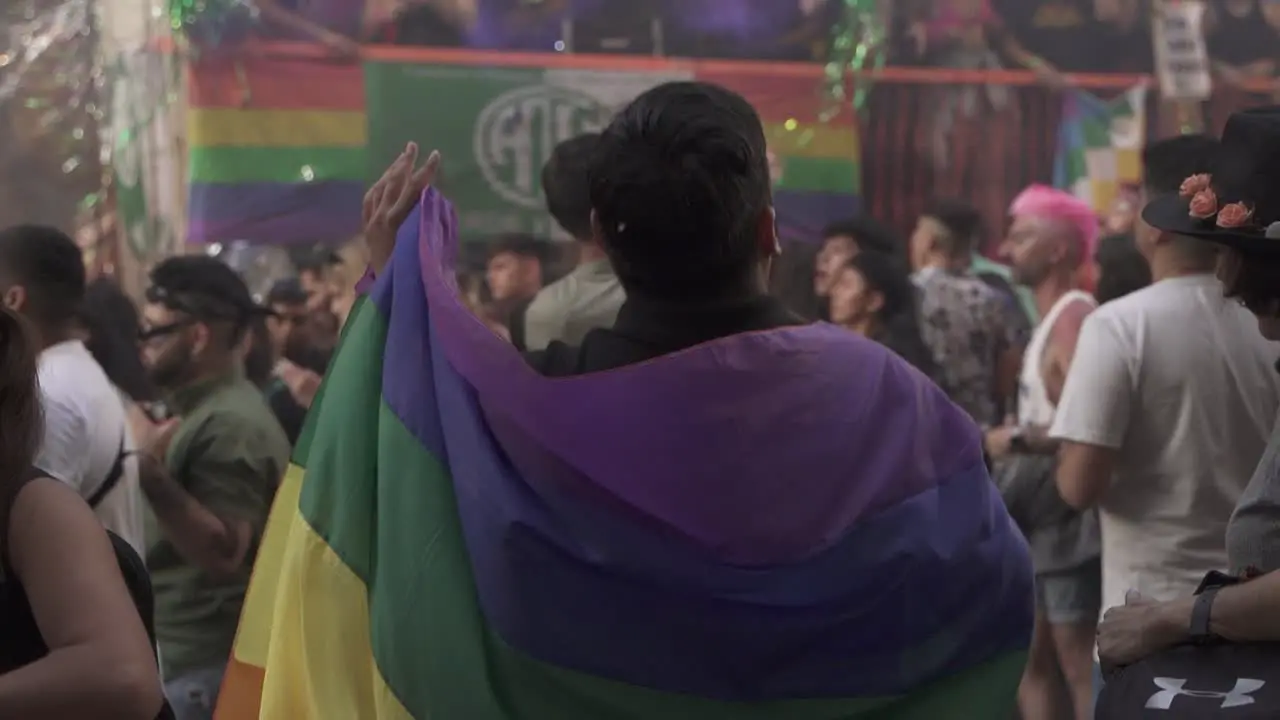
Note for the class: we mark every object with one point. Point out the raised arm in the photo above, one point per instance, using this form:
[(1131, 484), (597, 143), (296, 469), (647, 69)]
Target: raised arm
[(100, 664), (1019, 54), (390, 201), (281, 17)]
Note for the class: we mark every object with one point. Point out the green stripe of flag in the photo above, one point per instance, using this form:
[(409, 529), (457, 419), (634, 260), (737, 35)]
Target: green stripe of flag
[(277, 164), (430, 640), (830, 175)]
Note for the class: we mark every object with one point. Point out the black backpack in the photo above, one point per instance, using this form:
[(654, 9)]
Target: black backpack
[(1236, 681), (1230, 681)]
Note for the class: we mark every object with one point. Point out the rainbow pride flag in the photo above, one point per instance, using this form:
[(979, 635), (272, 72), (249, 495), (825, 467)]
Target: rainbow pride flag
[(278, 150), (821, 160), (281, 149), (745, 530)]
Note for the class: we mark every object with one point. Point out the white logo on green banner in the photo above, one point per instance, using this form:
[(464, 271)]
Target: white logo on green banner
[(516, 133)]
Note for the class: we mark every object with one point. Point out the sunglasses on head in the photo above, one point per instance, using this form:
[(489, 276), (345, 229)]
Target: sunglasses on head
[(198, 306), (148, 334)]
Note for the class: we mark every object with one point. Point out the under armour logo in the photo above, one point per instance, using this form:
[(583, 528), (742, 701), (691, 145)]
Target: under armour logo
[(1171, 688)]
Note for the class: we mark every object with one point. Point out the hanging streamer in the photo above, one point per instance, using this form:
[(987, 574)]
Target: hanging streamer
[(859, 43)]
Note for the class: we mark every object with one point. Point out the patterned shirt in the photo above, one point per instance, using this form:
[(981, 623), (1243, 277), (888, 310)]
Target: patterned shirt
[(967, 325)]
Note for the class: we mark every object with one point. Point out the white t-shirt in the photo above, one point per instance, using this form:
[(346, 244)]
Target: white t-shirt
[(1178, 380), (85, 421)]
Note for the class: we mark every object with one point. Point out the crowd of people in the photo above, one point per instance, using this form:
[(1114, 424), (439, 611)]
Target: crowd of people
[(1125, 390), (172, 424)]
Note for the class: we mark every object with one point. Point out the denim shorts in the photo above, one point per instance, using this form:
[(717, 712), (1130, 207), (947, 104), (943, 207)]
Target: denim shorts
[(1071, 597)]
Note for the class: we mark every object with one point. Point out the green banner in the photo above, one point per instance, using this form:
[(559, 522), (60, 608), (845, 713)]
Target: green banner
[(496, 126)]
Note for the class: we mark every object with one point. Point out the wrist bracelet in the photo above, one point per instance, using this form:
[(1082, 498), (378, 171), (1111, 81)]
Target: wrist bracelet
[(365, 283)]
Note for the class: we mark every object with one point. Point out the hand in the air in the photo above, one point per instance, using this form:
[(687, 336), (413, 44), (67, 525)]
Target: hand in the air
[(390, 201)]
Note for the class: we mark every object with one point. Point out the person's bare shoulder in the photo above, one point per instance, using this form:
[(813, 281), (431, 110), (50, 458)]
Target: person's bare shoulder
[(65, 561), (45, 503)]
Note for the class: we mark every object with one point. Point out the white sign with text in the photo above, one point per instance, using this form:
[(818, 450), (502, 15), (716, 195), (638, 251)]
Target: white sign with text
[(1182, 60)]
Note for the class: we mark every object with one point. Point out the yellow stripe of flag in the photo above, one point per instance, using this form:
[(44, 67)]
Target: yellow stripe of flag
[(260, 601), (812, 140), (320, 664), (306, 617), (230, 127)]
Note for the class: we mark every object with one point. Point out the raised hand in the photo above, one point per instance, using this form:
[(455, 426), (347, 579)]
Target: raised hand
[(390, 201)]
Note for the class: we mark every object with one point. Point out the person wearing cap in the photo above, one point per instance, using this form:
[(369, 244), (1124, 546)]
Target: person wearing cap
[(86, 442), (1235, 209), (209, 474)]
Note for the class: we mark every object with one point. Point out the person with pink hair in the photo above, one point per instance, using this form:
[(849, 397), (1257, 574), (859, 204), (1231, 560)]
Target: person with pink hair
[(1052, 237), (1057, 207), (1047, 204)]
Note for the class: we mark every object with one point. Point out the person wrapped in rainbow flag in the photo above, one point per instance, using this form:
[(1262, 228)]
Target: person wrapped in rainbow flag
[(708, 511)]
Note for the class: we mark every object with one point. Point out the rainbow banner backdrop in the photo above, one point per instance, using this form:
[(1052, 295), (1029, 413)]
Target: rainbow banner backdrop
[(282, 148)]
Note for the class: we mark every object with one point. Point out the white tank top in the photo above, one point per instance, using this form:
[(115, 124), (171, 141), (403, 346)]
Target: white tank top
[(1034, 407)]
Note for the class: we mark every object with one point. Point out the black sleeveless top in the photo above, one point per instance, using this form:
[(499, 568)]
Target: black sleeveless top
[(20, 640)]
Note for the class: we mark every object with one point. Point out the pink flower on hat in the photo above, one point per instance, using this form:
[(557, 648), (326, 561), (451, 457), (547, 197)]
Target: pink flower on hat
[(1194, 184), (1234, 215), (1204, 204)]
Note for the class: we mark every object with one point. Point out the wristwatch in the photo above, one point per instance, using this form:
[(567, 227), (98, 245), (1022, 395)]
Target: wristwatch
[(1200, 611)]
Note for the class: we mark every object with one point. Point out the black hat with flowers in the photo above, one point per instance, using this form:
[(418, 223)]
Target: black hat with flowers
[(1238, 204)]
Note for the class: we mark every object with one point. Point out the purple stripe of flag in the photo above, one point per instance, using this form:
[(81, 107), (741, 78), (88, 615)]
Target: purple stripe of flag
[(274, 213), (687, 468), (595, 586), (803, 215)]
